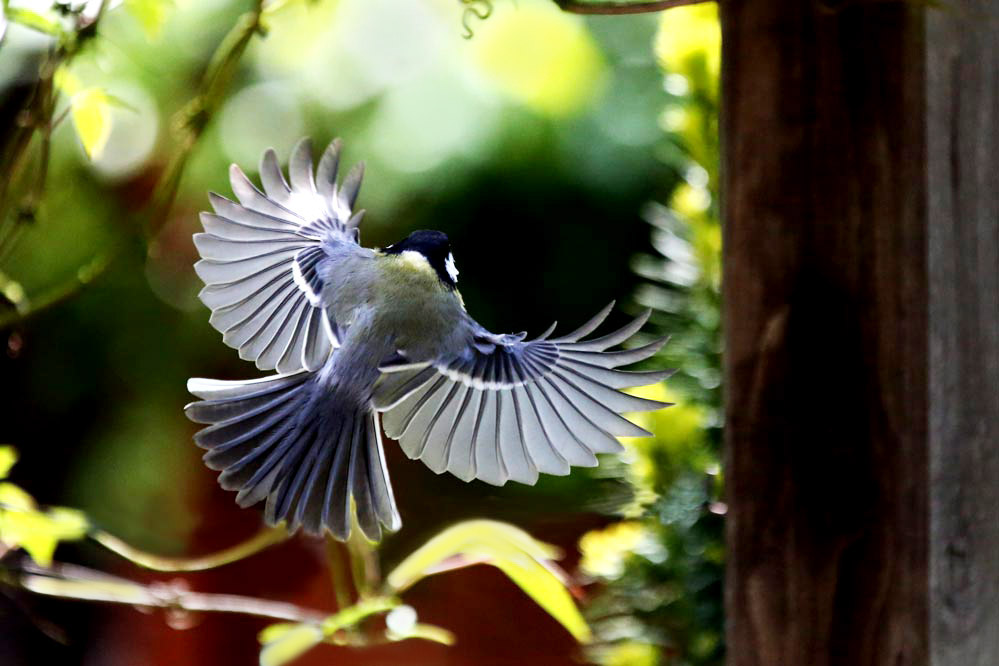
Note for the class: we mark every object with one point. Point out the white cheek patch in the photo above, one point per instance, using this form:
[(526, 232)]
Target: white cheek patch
[(452, 270), (415, 260)]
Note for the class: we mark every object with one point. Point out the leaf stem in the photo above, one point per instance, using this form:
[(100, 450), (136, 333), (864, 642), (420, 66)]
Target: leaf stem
[(263, 539), (363, 563), (335, 561)]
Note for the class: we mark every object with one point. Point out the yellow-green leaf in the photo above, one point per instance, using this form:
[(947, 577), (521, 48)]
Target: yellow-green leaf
[(92, 118), (476, 539), (66, 81), (35, 20), (548, 592), (23, 525), (521, 557), (291, 642), (151, 15), (273, 632), (8, 456), (432, 633)]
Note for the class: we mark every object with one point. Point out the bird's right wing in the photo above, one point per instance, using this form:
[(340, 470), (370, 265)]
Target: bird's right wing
[(503, 408), (264, 258)]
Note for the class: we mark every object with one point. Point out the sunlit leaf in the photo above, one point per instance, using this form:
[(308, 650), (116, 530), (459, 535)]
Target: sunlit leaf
[(151, 15), (687, 34), (23, 525), (605, 550), (471, 540), (629, 653), (34, 20), (521, 557), (285, 641), (3, 20), (548, 592), (8, 456), (290, 642), (273, 632), (66, 81), (91, 114), (14, 498), (432, 633)]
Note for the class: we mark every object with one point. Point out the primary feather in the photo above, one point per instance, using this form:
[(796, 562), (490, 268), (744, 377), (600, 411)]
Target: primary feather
[(360, 337)]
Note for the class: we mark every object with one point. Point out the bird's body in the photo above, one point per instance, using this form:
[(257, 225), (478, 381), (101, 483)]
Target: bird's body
[(359, 336)]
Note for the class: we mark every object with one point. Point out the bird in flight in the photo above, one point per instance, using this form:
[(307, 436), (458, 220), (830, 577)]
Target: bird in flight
[(362, 339)]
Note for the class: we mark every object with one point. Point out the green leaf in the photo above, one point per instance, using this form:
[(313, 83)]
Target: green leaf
[(91, 111), (8, 456), (23, 525), (525, 560), (548, 592), (151, 15), (432, 633), (287, 642), (35, 21)]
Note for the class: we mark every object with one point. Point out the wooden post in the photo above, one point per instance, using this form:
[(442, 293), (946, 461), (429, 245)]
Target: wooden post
[(963, 222), (861, 206)]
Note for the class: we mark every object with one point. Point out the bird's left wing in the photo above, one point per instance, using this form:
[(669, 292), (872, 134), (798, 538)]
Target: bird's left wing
[(264, 258), (503, 408)]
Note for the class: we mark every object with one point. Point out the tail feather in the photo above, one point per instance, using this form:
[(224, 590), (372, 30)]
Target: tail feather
[(312, 460)]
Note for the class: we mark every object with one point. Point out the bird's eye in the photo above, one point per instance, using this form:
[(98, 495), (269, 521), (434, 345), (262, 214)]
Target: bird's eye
[(452, 270)]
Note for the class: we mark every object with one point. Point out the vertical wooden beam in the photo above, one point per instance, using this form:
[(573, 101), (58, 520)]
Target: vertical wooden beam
[(963, 175), (827, 335), (861, 186)]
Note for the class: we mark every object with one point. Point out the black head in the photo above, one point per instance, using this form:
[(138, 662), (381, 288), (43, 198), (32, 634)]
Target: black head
[(436, 248)]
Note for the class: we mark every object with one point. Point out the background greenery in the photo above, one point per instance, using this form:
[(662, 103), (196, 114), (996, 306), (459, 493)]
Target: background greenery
[(571, 160)]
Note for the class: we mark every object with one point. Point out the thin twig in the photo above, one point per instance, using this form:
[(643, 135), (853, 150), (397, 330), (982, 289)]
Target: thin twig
[(62, 291), (190, 122), (578, 7), (263, 539), (73, 582)]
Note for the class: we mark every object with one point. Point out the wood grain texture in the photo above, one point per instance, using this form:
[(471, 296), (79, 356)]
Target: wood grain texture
[(826, 333), (963, 175)]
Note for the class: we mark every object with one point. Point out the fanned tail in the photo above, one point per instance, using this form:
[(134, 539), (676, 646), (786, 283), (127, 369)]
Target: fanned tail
[(280, 439)]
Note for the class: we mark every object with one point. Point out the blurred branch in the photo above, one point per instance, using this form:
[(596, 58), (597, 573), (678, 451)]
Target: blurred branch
[(23, 308), (190, 122), (334, 559), (363, 563), (263, 539), (37, 113), (579, 7), (73, 582)]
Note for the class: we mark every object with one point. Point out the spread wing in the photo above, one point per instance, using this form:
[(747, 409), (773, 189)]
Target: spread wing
[(503, 408), (264, 258)]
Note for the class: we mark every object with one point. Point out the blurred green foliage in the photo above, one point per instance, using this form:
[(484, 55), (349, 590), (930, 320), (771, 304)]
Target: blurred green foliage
[(663, 567), (551, 148)]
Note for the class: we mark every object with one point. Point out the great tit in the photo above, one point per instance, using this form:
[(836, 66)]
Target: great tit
[(365, 338)]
